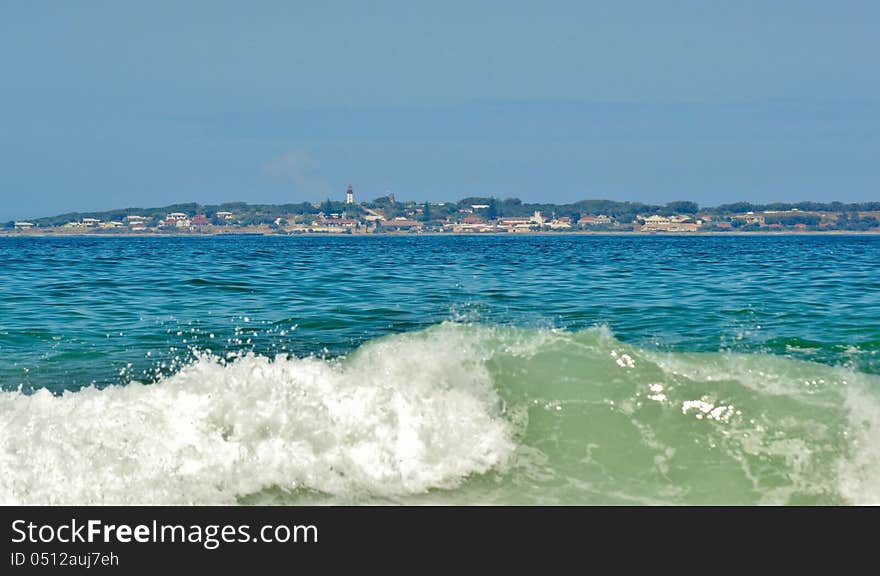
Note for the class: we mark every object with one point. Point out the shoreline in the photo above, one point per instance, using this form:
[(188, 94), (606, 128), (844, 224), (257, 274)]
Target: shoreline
[(32, 234)]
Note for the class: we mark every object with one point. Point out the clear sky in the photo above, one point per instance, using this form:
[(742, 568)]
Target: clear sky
[(116, 104)]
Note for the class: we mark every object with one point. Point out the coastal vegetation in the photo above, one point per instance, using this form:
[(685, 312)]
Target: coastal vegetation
[(470, 214)]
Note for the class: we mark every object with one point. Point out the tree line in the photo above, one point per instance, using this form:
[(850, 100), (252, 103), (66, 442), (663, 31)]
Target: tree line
[(490, 208)]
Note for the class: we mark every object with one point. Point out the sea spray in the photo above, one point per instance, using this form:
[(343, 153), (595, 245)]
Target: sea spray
[(394, 418), (457, 413)]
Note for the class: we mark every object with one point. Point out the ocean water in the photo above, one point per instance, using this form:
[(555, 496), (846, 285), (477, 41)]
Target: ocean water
[(440, 370)]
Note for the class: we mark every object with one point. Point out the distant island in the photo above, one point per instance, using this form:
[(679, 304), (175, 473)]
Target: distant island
[(483, 215)]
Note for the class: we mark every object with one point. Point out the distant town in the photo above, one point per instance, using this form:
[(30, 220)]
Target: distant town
[(475, 215)]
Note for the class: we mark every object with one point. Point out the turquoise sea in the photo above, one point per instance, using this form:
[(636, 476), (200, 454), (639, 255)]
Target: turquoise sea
[(440, 370)]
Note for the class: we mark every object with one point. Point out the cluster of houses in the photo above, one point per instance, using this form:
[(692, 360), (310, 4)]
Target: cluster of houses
[(533, 223), (133, 223), (136, 223), (469, 219), (373, 221)]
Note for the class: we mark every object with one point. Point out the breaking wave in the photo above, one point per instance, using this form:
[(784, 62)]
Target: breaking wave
[(456, 413)]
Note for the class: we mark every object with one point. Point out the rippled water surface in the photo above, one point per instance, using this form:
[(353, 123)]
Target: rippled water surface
[(77, 311), (577, 369)]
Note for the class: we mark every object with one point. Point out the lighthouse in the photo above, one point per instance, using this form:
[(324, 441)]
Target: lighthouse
[(349, 195)]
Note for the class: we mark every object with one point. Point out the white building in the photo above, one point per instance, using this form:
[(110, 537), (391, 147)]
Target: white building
[(24, 225), (179, 219), (657, 220), (677, 223), (750, 218), (373, 215)]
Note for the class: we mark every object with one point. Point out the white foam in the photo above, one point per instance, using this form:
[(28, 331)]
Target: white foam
[(401, 416), (859, 473), (408, 414)]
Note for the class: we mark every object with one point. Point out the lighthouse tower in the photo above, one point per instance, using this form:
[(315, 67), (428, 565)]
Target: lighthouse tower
[(349, 195)]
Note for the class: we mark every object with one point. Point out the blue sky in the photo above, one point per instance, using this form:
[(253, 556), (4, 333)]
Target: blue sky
[(115, 104)]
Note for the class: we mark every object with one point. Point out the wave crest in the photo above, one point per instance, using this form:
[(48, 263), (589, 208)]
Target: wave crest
[(561, 417), (397, 417)]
